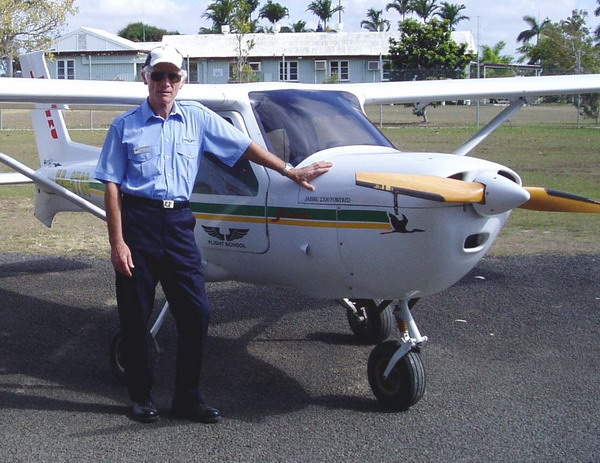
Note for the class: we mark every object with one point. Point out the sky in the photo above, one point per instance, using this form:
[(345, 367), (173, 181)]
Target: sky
[(490, 20)]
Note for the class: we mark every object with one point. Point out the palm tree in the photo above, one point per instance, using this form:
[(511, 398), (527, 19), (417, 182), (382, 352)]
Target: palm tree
[(535, 29), (219, 12), (424, 9), (403, 7), (375, 21), (251, 5), (451, 12), (322, 9), (299, 26), (273, 12), (493, 54)]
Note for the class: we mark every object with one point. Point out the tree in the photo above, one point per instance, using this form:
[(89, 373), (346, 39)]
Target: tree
[(273, 12), (375, 21), (140, 32), (427, 51), (403, 7), (323, 10), (451, 12), (219, 12), (566, 46), (299, 26), (424, 9), (27, 25), (535, 30), (493, 55), (251, 6), (242, 25)]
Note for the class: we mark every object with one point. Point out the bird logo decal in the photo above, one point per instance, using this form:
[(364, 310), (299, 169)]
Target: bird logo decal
[(232, 235), (399, 226)]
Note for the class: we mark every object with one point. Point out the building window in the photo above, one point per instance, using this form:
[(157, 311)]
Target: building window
[(193, 73), (288, 70), (65, 69), (386, 69), (251, 71), (340, 68)]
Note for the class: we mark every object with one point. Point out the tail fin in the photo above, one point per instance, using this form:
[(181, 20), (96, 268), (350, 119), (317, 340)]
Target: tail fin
[(51, 135)]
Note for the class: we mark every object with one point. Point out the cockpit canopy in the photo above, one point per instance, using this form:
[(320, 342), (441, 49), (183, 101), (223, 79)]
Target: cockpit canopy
[(298, 123)]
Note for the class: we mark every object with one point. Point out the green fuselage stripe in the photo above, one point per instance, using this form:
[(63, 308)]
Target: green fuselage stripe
[(292, 213)]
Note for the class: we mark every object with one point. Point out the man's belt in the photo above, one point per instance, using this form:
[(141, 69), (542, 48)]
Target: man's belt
[(157, 203)]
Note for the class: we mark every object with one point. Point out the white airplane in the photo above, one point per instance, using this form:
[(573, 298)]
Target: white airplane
[(383, 228)]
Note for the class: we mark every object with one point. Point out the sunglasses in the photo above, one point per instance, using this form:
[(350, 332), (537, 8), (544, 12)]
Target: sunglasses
[(158, 76)]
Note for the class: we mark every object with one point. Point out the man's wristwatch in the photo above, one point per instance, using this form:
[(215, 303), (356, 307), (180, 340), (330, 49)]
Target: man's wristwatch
[(286, 169)]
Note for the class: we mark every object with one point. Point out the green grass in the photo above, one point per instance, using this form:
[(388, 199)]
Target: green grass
[(541, 143)]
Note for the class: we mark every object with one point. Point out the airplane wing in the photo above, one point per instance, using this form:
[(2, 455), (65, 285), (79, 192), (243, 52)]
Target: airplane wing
[(90, 94), (474, 89), (27, 93)]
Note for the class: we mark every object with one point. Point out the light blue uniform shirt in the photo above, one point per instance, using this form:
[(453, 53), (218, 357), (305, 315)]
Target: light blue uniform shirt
[(158, 158)]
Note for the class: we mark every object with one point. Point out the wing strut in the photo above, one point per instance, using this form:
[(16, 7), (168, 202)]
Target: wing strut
[(496, 122), (52, 186)]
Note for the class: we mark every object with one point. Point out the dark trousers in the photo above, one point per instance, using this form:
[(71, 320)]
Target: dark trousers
[(164, 250)]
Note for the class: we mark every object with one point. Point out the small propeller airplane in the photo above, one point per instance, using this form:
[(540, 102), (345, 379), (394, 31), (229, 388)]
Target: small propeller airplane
[(383, 229)]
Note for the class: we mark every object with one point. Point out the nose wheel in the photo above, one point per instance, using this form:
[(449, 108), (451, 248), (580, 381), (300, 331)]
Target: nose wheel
[(404, 385), (395, 369)]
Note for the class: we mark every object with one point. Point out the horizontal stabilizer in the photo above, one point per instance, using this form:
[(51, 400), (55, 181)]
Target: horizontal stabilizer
[(424, 186), (544, 199), (13, 178), (52, 187)]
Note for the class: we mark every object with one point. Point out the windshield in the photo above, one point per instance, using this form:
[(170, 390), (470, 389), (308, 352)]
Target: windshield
[(298, 123)]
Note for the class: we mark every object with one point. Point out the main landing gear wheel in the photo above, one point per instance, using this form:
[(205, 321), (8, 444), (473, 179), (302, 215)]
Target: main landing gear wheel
[(117, 356), (370, 321), (405, 384)]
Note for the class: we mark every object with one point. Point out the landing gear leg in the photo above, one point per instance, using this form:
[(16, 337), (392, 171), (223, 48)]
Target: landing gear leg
[(116, 355), (396, 372)]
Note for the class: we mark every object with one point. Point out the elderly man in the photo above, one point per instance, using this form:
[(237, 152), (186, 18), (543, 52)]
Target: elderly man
[(148, 164)]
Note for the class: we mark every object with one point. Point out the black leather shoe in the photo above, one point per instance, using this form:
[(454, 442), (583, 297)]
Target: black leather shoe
[(195, 411), (144, 412)]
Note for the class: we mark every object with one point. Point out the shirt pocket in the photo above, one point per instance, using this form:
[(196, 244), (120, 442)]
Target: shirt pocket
[(188, 150), (143, 162), (187, 163)]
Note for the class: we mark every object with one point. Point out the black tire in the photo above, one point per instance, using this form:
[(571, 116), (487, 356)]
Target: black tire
[(117, 357), (374, 325), (405, 385)]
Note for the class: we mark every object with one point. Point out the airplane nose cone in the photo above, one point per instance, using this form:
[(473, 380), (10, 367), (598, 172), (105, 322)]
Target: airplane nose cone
[(501, 194)]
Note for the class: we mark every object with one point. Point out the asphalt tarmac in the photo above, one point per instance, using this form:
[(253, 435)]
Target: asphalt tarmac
[(512, 366)]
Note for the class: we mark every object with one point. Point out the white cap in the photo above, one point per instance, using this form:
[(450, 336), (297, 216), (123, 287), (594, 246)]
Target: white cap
[(164, 54)]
